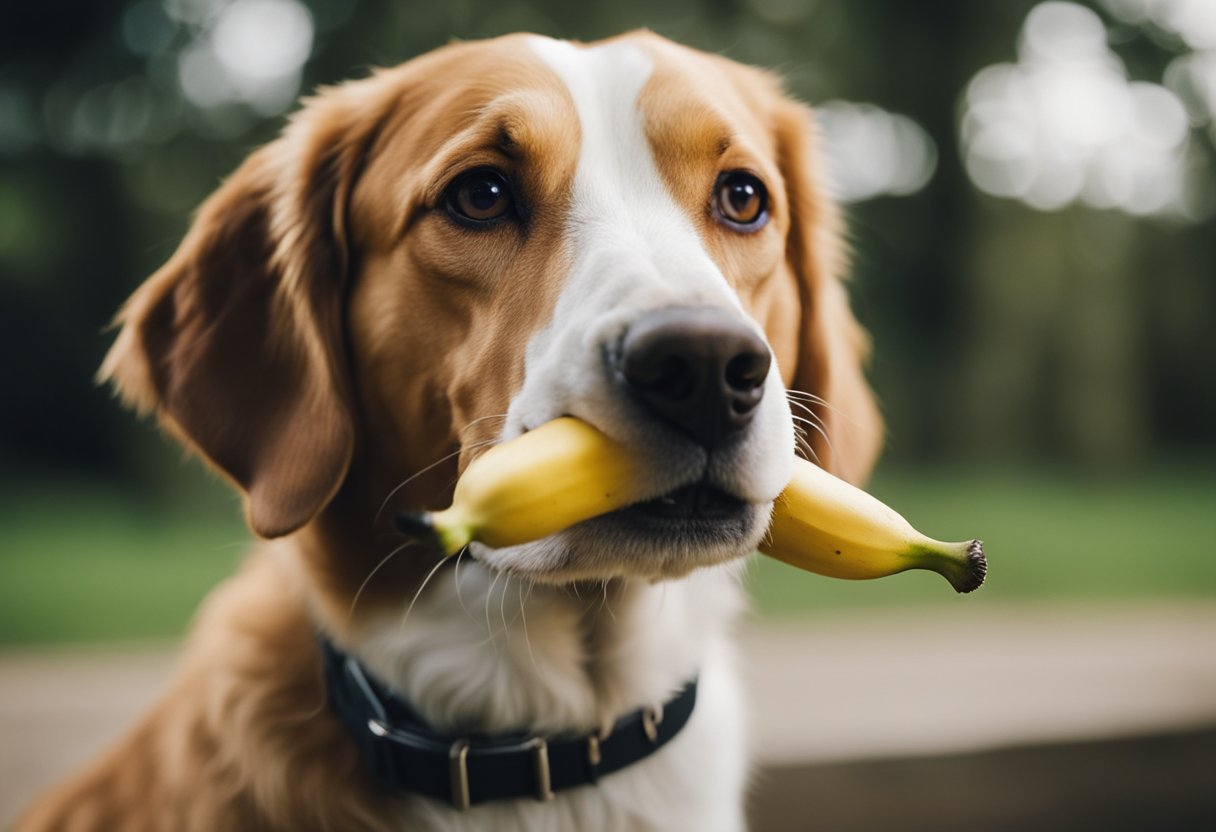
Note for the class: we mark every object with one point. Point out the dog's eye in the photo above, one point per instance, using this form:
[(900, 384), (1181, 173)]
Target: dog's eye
[(741, 200), (480, 196)]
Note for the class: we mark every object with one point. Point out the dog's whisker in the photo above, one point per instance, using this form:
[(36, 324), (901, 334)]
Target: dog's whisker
[(481, 419), (502, 609), (410, 479), (489, 594), (808, 451), (418, 594), (805, 409), (802, 445), (804, 449), (523, 613), (827, 440), (604, 605), (811, 417), (417, 474), (358, 593), (805, 405), (519, 611), (806, 396), (802, 423), (813, 399), (456, 580)]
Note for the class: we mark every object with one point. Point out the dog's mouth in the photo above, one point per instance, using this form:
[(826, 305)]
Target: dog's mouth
[(692, 516), (696, 525), (698, 500)]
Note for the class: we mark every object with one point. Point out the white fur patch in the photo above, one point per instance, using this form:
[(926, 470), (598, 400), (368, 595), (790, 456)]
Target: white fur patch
[(624, 225)]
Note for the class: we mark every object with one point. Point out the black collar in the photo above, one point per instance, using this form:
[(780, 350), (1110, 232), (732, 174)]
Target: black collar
[(403, 752)]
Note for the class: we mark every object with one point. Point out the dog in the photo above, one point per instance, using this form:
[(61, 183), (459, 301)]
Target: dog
[(427, 261)]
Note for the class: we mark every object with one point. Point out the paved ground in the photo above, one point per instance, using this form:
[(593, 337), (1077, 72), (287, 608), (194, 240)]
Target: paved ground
[(858, 718)]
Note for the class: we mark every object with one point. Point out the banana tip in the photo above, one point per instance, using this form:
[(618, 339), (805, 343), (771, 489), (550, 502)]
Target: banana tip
[(977, 568), (418, 525), (442, 530)]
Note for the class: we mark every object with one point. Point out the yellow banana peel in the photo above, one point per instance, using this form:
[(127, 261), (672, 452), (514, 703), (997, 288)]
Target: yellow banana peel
[(533, 486), (825, 525), (566, 471)]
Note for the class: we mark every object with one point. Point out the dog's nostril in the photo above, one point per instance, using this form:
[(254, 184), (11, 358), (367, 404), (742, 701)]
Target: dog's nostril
[(747, 370), (658, 371), (700, 368), (741, 406)]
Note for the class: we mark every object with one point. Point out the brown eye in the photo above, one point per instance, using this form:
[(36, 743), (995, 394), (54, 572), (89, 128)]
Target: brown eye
[(480, 196), (741, 200)]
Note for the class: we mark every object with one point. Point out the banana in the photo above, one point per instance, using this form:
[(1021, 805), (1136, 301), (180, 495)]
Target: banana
[(535, 485), (823, 524), (566, 471)]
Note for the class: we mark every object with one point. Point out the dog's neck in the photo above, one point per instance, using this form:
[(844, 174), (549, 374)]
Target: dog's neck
[(483, 651)]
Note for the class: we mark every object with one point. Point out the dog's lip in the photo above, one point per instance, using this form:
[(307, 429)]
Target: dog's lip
[(697, 524)]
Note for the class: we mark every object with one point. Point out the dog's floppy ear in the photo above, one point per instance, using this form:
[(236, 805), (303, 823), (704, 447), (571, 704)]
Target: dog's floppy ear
[(236, 343), (833, 348)]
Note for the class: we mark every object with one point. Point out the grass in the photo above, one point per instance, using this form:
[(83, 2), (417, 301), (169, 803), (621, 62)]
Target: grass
[(84, 563), (81, 563)]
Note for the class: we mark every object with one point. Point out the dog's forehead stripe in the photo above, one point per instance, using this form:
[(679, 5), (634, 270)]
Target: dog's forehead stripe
[(605, 83), (611, 75), (620, 199)]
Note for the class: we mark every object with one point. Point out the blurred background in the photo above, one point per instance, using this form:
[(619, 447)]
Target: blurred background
[(1031, 195)]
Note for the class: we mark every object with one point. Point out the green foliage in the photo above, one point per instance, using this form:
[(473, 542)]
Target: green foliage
[(87, 563)]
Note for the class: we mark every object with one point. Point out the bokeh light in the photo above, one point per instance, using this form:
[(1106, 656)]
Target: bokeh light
[(1192, 78), (1191, 21), (1065, 124), (248, 51), (871, 152)]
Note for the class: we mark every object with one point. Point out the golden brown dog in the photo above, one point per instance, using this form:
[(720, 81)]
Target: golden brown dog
[(444, 255)]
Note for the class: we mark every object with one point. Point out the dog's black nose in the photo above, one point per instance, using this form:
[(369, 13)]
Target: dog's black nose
[(699, 367)]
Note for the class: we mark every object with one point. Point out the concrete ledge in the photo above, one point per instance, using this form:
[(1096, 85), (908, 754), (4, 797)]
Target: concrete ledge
[(869, 685), (1143, 784)]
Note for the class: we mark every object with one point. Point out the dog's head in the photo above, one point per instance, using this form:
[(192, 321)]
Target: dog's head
[(496, 234)]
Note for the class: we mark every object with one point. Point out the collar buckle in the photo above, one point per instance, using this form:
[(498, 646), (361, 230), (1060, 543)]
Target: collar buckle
[(458, 770), (651, 717), (540, 760)]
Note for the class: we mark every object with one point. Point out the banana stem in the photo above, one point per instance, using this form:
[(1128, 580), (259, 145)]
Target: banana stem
[(962, 564)]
